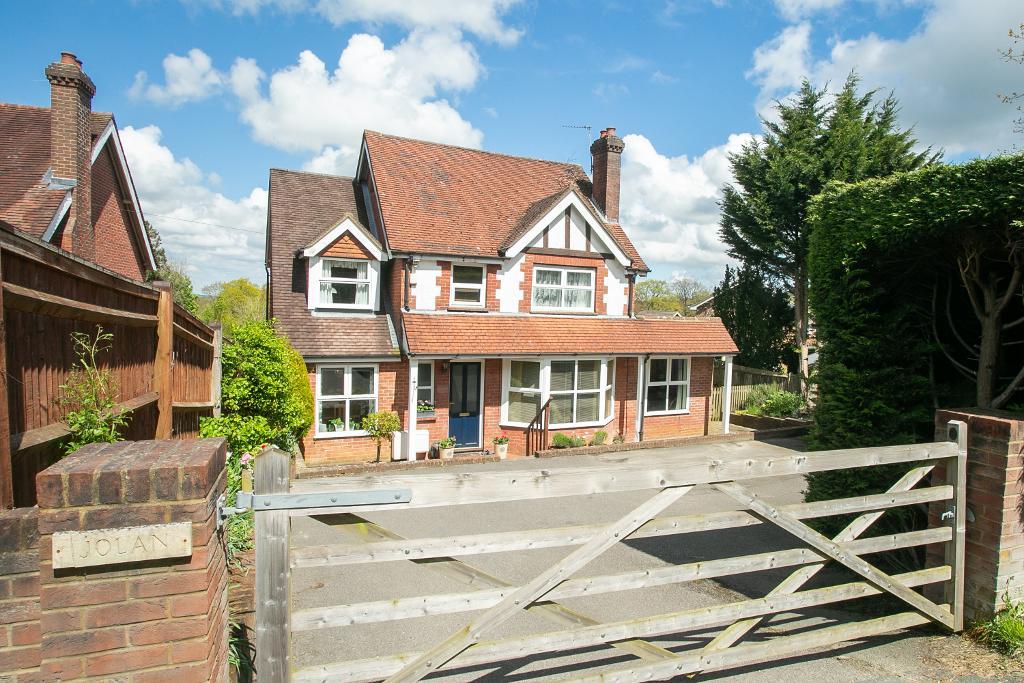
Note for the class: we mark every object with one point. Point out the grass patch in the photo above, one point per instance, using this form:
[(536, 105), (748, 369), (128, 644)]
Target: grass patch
[(1004, 632)]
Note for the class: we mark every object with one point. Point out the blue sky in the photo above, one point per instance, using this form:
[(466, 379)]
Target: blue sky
[(210, 94)]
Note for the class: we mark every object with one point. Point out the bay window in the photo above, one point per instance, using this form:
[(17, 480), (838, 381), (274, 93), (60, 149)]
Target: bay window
[(581, 391), (563, 289), (345, 394), (469, 284), (668, 386)]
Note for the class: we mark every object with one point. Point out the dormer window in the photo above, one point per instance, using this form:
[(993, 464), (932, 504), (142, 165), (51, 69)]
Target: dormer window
[(344, 283)]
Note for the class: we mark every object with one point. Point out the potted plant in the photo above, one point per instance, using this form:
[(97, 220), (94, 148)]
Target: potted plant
[(424, 408), (446, 447), (337, 424), (501, 445)]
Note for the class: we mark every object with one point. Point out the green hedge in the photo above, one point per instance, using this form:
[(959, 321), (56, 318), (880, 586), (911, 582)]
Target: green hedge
[(879, 249)]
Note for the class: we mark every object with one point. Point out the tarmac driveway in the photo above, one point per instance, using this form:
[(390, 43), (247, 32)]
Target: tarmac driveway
[(919, 655)]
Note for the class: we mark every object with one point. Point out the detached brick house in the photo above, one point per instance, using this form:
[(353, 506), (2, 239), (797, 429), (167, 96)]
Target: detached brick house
[(64, 178), (464, 290)]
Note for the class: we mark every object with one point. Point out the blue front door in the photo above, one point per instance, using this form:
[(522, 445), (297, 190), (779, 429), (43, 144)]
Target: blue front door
[(464, 404)]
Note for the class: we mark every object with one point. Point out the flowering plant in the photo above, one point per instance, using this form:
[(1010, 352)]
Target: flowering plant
[(500, 440)]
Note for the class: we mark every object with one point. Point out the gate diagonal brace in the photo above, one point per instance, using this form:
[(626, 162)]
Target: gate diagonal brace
[(245, 501), (833, 551)]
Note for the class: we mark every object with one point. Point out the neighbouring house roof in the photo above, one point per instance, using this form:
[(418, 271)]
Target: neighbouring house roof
[(659, 314), (28, 200), (443, 199), (302, 207), (476, 334)]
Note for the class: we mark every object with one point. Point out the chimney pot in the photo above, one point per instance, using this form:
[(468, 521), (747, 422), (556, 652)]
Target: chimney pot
[(70, 58)]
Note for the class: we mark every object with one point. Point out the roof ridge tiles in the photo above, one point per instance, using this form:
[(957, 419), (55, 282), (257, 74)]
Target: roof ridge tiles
[(311, 173), (479, 151)]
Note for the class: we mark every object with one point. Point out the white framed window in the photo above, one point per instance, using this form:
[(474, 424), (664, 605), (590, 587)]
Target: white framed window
[(343, 284), (563, 289), (668, 386), (469, 285), (581, 391), (425, 388), (345, 394)]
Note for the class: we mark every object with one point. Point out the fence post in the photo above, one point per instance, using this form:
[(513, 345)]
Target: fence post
[(162, 362), (956, 548), (272, 571), (6, 457), (727, 395), (215, 371)]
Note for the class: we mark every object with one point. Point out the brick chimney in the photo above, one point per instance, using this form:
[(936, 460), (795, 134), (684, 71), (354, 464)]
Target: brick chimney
[(606, 152), (71, 93)]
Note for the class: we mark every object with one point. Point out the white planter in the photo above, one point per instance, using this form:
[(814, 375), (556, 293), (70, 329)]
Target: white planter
[(501, 449), (447, 453)]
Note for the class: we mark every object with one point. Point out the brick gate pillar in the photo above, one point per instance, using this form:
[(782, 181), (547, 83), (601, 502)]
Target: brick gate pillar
[(995, 505), (152, 617)]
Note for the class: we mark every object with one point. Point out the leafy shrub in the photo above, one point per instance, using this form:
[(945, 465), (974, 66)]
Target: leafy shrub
[(600, 437), (619, 438), (770, 401), (244, 434), (264, 376), (90, 395), (566, 441), (380, 426)]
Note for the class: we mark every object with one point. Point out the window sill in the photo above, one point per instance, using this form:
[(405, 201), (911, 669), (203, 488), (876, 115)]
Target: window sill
[(555, 428), (338, 435), (426, 417), (662, 413), (466, 309)]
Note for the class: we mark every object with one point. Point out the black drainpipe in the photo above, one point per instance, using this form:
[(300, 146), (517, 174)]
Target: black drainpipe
[(408, 276), (643, 399), (631, 278)]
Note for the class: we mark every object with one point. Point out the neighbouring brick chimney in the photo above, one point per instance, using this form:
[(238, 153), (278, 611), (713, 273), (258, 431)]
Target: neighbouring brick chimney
[(606, 152), (71, 93)]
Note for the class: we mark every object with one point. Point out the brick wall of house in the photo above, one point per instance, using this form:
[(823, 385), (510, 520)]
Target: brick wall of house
[(395, 282), (392, 390), (994, 566), (691, 424), (595, 264), (444, 285), (20, 635), (118, 248)]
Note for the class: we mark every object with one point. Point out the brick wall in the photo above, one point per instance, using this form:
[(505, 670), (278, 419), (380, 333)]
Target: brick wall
[(159, 620), (20, 636), (119, 250), (995, 503)]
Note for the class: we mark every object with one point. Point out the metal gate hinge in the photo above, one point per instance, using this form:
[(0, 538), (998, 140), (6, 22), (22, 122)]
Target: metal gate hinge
[(244, 501)]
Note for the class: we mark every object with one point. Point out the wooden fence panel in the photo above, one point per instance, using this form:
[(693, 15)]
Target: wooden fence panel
[(744, 380), (47, 295)]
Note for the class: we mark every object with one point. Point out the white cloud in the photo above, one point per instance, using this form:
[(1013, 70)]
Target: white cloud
[(187, 78), (945, 74), (483, 18), (218, 238), (662, 78), (670, 206), (305, 107), (794, 10), (610, 91), (781, 63)]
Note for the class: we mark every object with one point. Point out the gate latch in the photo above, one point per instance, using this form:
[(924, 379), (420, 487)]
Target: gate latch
[(949, 514)]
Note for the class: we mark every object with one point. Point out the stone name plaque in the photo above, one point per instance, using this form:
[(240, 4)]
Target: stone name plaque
[(117, 546)]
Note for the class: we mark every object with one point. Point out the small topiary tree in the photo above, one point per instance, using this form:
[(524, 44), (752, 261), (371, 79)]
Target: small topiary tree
[(380, 426), (90, 395)]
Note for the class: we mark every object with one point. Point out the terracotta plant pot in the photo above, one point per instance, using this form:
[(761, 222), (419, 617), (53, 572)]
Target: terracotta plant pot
[(501, 449), (447, 453)]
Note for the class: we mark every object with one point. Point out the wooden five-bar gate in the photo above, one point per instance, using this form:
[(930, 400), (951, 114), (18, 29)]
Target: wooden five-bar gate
[(934, 475)]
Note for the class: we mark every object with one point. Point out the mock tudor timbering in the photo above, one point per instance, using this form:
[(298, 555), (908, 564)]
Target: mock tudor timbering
[(500, 284)]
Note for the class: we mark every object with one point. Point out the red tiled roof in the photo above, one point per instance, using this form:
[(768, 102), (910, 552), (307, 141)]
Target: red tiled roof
[(443, 199), (25, 200), (302, 206), (486, 334)]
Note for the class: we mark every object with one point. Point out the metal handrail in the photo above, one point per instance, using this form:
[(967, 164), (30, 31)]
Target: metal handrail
[(537, 430)]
